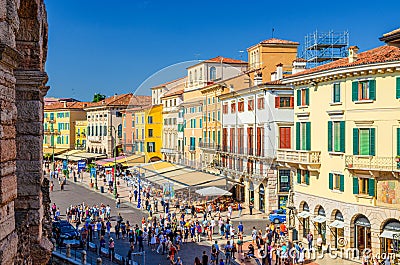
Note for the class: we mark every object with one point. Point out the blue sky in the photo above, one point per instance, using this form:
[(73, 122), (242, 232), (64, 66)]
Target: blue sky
[(114, 46)]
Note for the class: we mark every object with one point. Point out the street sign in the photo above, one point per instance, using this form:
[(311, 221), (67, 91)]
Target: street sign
[(81, 165)]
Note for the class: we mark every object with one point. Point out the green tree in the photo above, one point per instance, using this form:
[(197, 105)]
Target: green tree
[(98, 97)]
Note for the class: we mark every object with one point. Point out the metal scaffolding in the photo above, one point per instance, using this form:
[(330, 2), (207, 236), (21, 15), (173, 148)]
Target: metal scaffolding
[(324, 47)]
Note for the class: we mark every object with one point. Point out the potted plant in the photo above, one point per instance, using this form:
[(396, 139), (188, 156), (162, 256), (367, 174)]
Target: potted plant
[(397, 159)]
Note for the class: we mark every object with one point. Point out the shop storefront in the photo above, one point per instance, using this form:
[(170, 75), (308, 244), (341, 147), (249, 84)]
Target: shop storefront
[(390, 237), (261, 195), (362, 233), (304, 217), (282, 201), (337, 227), (320, 222)]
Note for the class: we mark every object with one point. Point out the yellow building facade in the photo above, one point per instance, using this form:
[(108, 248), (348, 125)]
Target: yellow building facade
[(80, 134), (344, 163), (153, 133), (59, 125)]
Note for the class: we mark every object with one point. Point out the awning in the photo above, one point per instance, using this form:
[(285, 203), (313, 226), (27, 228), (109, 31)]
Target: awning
[(337, 224), (56, 150), (107, 162), (389, 234), (85, 155), (213, 191), (69, 155), (304, 214), (319, 219)]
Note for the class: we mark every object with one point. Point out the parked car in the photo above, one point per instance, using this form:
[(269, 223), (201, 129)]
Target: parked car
[(65, 233), (278, 216)]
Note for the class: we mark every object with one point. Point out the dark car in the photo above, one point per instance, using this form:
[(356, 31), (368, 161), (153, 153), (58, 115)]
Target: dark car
[(65, 233), (278, 216)]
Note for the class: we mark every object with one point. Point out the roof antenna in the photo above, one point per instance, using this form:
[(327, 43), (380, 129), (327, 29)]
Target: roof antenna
[(273, 32)]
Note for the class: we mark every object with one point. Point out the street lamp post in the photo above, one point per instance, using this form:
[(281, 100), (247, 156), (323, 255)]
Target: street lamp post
[(115, 191)]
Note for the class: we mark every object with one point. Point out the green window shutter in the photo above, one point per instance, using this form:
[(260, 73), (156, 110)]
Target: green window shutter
[(330, 181), (342, 136), (329, 136), (372, 89), (307, 96), (341, 187), (299, 97), (398, 141), (355, 141), (372, 142), (298, 176), (398, 87), (297, 135), (307, 177), (354, 91), (308, 136), (371, 187), (337, 93), (355, 185)]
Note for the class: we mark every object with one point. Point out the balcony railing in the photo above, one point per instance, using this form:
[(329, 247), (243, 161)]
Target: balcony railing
[(212, 146), (299, 156), (169, 150), (372, 163), (95, 139)]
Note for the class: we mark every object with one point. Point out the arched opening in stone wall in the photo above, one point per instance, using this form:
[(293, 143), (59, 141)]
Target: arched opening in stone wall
[(337, 229), (361, 232), (390, 236)]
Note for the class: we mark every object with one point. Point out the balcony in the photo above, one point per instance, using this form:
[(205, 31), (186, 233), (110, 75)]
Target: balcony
[(95, 139), (169, 150), (310, 159), (210, 147), (192, 148), (376, 163)]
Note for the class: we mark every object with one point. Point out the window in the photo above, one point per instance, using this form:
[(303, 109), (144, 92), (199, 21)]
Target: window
[(190, 78), (398, 87), (336, 93), (150, 132), (225, 108), (233, 107), (213, 73), (284, 180), (303, 97), (195, 75), (303, 177), (363, 185), (150, 119), (364, 141), (241, 106), (303, 136), (336, 181), (192, 143), (260, 103), (105, 130), (284, 102), (364, 90), (250, 105), (336, 136), (151, 147), (201, 74), (119, 130), (285, 137)]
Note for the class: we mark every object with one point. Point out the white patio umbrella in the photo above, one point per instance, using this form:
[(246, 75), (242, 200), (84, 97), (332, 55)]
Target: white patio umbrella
[(213, 191)]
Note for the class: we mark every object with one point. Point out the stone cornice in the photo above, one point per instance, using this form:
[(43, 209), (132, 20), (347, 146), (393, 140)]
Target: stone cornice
[(343, 73)]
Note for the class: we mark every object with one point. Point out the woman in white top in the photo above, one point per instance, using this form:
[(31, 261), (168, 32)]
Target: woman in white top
[(153, 242)]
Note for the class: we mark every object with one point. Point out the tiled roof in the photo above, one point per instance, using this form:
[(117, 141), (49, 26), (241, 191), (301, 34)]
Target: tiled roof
[(376, 55), (300, 60), (140, 100), (170, 82), (279, 41), (117, 100), (276, 82), (178, 90), (68, 105), (392, 32), (218, 59)]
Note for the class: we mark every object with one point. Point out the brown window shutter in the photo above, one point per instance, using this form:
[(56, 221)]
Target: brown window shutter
[(277, 102), (291, 102)]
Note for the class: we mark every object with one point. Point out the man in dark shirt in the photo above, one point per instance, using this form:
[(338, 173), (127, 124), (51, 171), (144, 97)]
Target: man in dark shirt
[(204, 258)]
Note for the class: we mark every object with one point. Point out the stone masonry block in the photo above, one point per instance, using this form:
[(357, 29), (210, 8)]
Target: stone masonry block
[(29, 128), (8, 188), (28, 111), (7, 168), (7, 150), (29, 148), (6, 227), (8, 248), (7, 132)]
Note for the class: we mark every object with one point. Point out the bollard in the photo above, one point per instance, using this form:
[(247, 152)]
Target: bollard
[(83, 256), (68, 251), (99, 261)]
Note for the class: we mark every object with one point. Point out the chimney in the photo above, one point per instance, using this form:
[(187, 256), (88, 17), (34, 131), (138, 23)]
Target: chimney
[(257, 79), (273, 76), (65, 103), (299, 65), (353, 53), (115, 95), (279, 71), (84, 105)]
